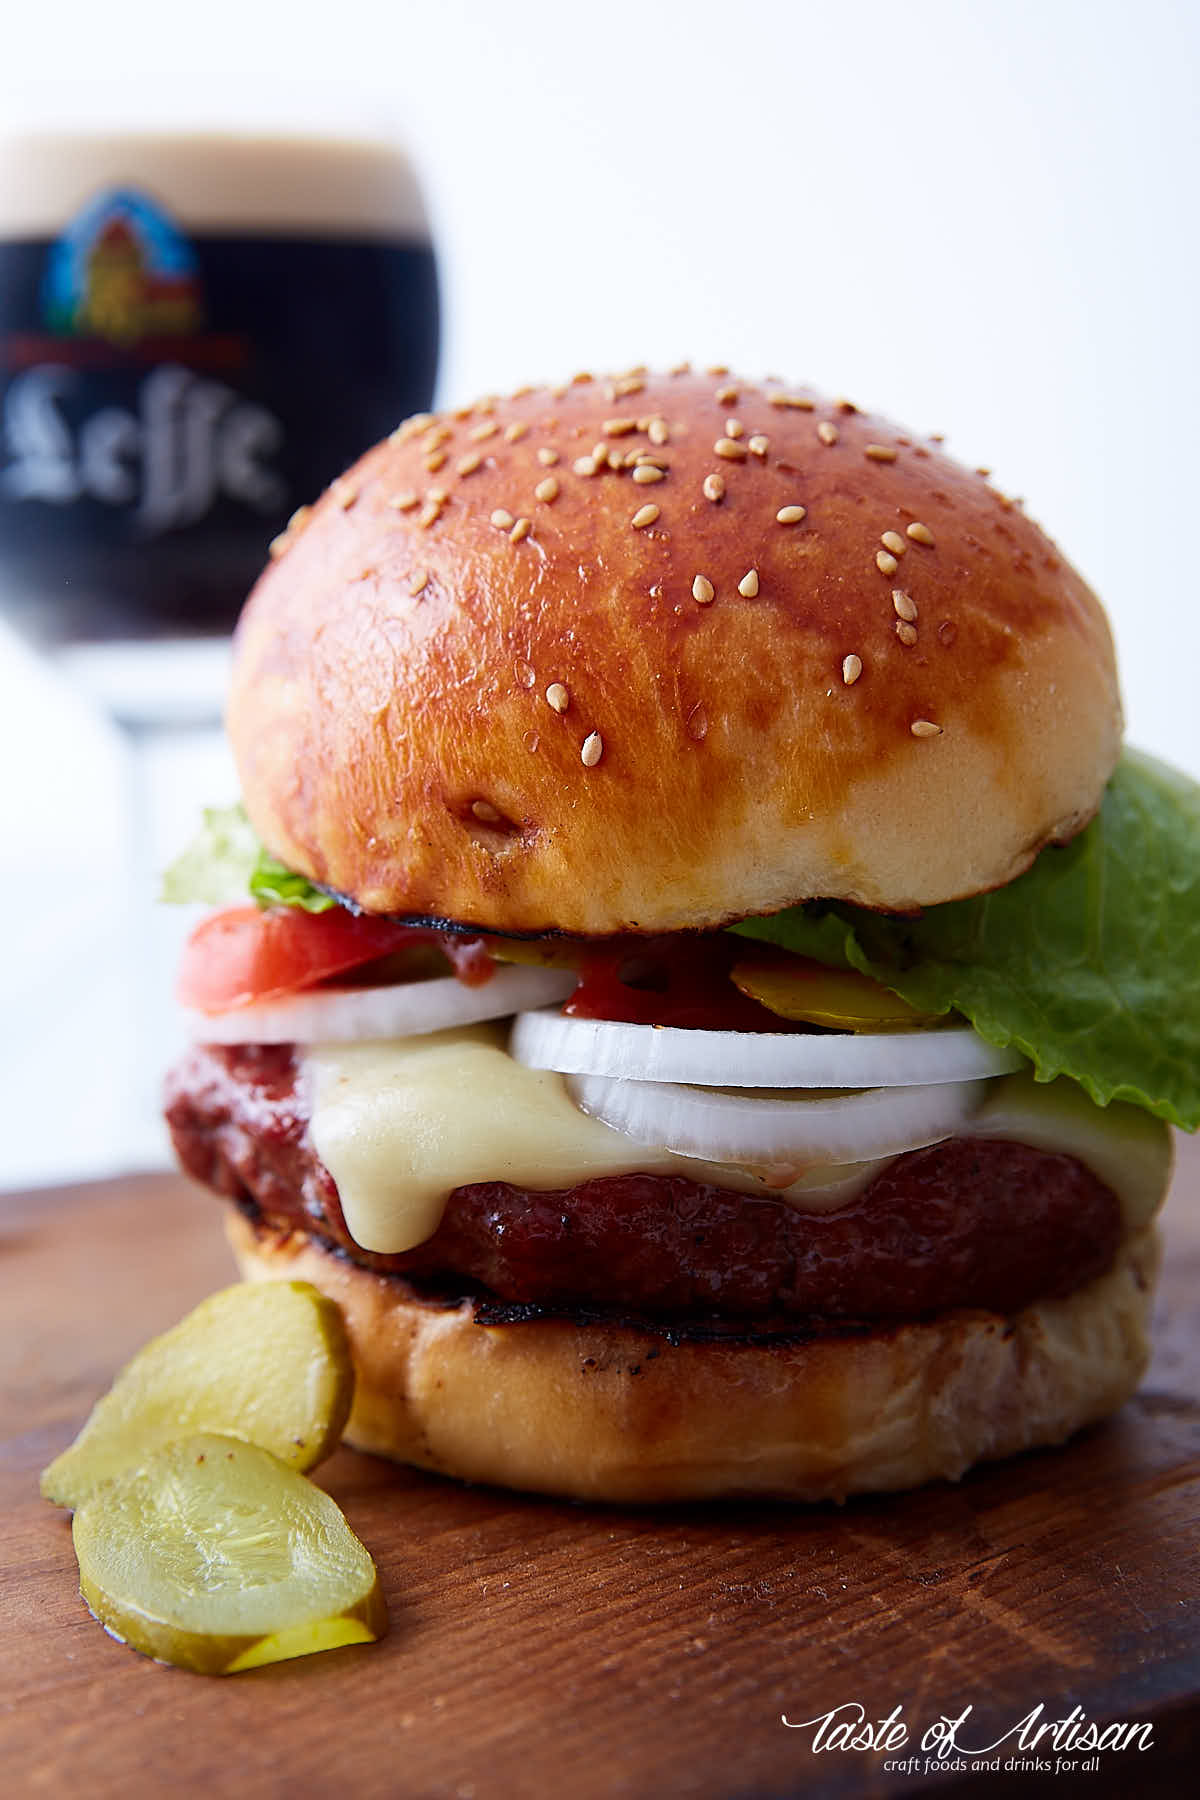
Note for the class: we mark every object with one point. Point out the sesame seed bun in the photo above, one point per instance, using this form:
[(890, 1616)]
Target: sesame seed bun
[(611, 1412), (663, 652)]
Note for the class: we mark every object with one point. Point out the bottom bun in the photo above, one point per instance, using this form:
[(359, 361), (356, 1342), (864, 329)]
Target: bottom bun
[(617, 1412)]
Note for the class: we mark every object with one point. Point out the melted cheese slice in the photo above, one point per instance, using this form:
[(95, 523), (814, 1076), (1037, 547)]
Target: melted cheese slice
[(1130, 1151), (400, 1124)]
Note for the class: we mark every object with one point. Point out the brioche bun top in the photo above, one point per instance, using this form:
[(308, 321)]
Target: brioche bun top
[(662, 652)]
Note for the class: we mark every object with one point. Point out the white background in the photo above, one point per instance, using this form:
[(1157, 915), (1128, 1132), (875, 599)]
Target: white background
[(980, 218)]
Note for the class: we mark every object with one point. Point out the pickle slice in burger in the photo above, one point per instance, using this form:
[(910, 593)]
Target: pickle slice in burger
[(268, 1363), (214, 1555), (840, 999)]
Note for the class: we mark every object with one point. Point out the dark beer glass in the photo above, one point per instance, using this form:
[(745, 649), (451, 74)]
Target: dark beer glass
[(197, 332)]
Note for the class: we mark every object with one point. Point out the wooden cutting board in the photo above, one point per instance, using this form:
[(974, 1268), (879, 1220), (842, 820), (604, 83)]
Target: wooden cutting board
[(542, 1649)]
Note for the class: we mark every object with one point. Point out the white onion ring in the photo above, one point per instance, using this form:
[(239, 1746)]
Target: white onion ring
[(727, 1128), (750, 1059), (333, 1015)]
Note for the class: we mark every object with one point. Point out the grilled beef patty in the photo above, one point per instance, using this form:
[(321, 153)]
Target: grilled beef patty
[(967, 1223)]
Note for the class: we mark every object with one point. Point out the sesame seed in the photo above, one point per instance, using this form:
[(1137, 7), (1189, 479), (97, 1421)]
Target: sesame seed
[(791, 515), (906, 633), (726, 396), (410, 427), (894, 542), (584, 465), (629, 384), (618, 427), (419, 582), (920, 534), (516, 431), (905, 605), (646, 471), (467, 465), (703, 590), (851, 669), (983, 470), (600, 455), (885, 562), (714, 486), (299, 518), (734, 428), (558, 697), (592, 751), (520, 393), (758, 445), (646, 456), (278, 545), (488, 429), (718, 369), (799, 401), (547, 458), (582, 378), (430, 515), (437, 435), (546, 490), (404, 502), (730, 449), (827, 433), (437, 496), (683, 368), (645, 515), (483, 809), (845, 406), (925, 728), (881, 453), (345, 493), (521, 530), (748, 585), (434, 461), (502, 520), (657, 431)]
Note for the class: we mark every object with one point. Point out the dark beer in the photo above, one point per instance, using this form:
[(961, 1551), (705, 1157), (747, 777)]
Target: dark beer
[(196, 335)]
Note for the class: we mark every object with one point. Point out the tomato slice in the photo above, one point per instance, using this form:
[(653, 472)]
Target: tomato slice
[(243, 954)]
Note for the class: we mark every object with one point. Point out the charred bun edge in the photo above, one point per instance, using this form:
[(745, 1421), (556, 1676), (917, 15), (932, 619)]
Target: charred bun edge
[(604, 1412)]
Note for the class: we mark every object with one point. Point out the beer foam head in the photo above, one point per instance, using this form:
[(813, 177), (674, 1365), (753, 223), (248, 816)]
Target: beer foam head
[(219, 182)]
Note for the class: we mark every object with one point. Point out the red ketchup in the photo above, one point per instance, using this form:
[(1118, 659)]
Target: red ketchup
[(681, 980)]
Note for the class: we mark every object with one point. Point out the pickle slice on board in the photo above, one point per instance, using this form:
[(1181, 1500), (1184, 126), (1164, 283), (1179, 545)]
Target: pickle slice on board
[(214, 1555), (841, 999), (267, 1362)]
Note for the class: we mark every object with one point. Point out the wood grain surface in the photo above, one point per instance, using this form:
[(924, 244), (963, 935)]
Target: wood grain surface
[(541, 1649)]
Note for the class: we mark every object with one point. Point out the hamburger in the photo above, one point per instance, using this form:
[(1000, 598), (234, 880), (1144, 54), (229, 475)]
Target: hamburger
[(707, 994)]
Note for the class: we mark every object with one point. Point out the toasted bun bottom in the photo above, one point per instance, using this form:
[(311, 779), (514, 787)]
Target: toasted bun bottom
[(612, 1412)]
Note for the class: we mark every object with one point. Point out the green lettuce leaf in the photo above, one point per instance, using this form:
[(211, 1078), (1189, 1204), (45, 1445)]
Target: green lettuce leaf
[(273, 884), (225, 863), (217, 865), (1089, 963)]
